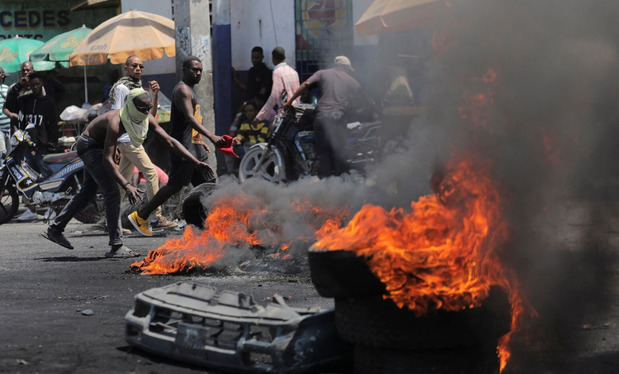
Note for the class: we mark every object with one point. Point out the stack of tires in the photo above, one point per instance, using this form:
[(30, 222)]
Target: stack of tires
[(388, 339)]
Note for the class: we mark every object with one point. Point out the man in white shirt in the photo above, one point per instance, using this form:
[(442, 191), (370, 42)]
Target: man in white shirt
[(133, 154)]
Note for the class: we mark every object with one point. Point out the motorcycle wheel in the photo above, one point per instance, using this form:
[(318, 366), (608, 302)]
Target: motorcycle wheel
[(273, 168), (8, 204)]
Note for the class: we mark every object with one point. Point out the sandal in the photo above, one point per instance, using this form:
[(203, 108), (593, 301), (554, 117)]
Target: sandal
[(121, 252)]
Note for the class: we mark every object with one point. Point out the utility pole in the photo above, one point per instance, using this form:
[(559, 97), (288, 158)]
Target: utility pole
[(193, 38)]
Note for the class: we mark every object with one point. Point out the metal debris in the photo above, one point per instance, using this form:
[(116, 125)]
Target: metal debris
[(227, 330)]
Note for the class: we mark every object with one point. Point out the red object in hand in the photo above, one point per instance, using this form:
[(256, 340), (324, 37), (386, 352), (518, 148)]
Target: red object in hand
[(227, 148)]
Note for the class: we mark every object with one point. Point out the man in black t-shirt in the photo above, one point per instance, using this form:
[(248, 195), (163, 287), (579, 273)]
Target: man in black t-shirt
[(38, 109), (187, 128), (259, 78)]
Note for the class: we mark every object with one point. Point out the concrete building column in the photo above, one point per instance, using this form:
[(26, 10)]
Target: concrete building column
[(193, 38)]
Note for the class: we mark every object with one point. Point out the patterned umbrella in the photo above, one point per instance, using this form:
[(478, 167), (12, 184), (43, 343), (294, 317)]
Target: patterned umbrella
[(60, 46), (142, 34), (15, 51)]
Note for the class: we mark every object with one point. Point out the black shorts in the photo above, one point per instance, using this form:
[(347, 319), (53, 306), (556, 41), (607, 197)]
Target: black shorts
[(182, 173)]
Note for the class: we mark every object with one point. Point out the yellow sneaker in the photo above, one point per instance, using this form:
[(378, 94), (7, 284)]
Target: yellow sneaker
[(141, 225)]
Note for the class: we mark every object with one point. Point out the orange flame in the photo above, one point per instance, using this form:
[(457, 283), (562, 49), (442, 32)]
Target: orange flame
[(443, 254), (238, 222)]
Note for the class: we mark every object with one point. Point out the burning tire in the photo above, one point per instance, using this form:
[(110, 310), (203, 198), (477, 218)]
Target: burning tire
[(376, 322), (193, 211), (342, 274), (8, 204)]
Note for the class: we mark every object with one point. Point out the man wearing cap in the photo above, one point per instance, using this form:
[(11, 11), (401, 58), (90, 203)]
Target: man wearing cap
[(340, 93), (5, 121), (96, 145)]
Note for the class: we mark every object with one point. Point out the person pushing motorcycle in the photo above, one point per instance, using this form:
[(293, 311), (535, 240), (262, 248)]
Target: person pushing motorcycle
[(341, 93), (97, 144)]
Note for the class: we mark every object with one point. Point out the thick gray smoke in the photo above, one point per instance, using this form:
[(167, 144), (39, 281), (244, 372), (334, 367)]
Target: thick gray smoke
[(548, 71), (549, 123)]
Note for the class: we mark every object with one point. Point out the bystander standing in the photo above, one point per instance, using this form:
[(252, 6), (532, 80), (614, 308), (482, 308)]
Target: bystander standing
[(259, 78), (133, 154), (285, 83)]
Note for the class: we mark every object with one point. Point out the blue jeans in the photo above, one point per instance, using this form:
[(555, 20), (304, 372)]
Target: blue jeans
[(95, 176)]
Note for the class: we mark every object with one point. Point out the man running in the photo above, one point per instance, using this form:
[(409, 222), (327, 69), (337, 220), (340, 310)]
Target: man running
[(96, 145), (187, 128)]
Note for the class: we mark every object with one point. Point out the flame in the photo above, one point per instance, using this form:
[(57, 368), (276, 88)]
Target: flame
[(444, 252), (237, 222)]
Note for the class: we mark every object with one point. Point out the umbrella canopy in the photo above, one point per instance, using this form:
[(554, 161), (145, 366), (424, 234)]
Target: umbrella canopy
[(142, 34), (60, 46), (15, 51), (397, 15)]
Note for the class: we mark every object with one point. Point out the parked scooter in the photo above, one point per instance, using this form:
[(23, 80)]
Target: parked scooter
[(290, 151), (18, 178)]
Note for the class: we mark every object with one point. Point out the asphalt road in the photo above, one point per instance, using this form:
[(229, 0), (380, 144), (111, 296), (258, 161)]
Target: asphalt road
[(44, 288)]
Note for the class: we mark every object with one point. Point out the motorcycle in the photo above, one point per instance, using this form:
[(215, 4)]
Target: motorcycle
[(290, 150), (18, 178)]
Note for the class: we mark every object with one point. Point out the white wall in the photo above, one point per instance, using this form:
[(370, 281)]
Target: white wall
[(163, 8), (253, 24)]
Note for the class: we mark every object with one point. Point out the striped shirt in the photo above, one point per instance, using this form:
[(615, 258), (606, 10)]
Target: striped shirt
[(285, 80), (5, 121), (254, 134)]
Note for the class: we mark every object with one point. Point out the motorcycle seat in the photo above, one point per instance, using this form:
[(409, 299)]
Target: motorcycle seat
[(57, 158)]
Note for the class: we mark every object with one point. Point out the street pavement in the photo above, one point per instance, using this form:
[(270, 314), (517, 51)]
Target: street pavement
[(44, 288)]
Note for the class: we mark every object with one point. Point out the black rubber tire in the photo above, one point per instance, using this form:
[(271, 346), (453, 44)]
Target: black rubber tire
[(376, 322), (272, 170), (370, 360), (193, 211), (342, 274), (8, 204)]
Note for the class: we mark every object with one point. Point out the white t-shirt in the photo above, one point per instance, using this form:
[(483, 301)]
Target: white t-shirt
[(121, 96)]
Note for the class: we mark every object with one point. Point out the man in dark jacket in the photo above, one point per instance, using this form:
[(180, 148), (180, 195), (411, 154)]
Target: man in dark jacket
[(259, 78), (39, 109)]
